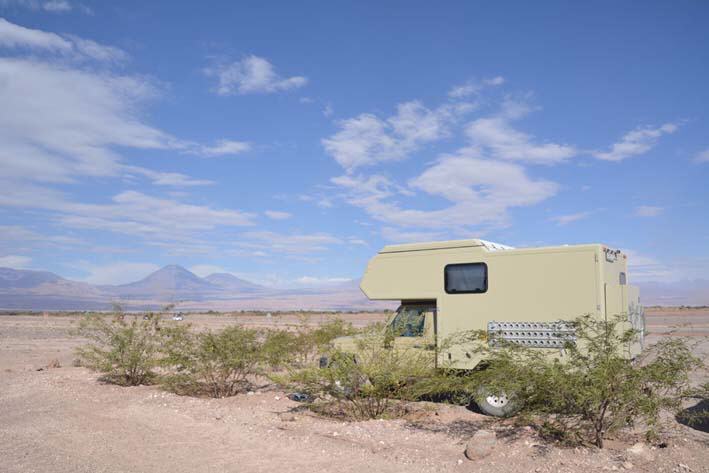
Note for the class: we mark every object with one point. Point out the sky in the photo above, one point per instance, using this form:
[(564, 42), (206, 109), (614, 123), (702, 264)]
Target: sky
[(287, 142)]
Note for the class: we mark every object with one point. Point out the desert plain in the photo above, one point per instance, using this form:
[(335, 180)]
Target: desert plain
[(55, 417)]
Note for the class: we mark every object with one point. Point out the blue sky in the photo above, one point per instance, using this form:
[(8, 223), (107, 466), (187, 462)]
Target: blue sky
[(287, 142)]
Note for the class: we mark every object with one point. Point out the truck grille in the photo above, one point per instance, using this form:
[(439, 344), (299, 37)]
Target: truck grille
[(532, 334)]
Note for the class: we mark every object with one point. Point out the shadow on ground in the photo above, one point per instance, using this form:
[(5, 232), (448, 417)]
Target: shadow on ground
[(696, 417)]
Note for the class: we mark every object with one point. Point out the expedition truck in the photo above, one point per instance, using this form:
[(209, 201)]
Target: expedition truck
[(521, 295)]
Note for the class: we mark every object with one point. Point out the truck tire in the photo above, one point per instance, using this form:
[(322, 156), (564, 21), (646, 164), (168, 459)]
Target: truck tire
[(495, 404)]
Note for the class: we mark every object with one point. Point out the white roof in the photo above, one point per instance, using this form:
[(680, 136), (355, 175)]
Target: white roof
[(439, 245)]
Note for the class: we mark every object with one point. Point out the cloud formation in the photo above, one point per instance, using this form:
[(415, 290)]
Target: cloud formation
[(14, 36), (252, 75), (636, 142), (367, 139)]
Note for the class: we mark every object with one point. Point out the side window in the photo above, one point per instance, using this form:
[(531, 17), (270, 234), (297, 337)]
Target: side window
[(623, 279), (467, 278), (409, 322)]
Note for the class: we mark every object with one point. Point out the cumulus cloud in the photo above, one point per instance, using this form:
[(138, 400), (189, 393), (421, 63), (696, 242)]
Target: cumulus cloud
[(480, 192), (367, 139), (636, 142), (252, 75), (497, 136), (473, 87)]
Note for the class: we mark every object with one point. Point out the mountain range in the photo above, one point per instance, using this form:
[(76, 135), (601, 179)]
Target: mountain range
[(42, 290)]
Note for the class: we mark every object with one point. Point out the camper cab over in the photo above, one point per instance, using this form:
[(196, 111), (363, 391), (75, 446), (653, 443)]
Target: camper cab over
[(524, 295)]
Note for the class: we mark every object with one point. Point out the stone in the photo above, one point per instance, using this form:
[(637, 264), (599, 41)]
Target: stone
[(480, 445), (641, 451), (627, 465)]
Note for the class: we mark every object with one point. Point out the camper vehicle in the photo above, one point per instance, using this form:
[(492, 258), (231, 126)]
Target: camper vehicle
[(522, 295)]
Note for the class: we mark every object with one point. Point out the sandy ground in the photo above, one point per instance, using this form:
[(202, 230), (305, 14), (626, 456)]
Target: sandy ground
[(64, 420)]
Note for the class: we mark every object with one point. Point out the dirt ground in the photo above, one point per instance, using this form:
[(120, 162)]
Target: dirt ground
[(64, 420)]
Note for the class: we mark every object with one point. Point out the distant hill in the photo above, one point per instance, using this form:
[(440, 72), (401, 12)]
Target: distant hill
[(169, 283), (24, 279), (230, 282), (42, 290)]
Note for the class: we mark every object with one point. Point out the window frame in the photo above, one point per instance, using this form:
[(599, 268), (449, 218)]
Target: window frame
[(478, 291)]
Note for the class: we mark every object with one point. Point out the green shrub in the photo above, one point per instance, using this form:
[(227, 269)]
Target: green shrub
[(217, 364), (124, 348), (594, 391), (365, 385), (303, 347)]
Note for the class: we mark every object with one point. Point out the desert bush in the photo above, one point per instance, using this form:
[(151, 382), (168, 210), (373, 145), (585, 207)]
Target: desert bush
[(594, 390), (297, 349), (366, 385), (217, 364), (124, 348)]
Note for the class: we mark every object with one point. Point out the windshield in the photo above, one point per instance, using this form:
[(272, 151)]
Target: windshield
[(409, 321)]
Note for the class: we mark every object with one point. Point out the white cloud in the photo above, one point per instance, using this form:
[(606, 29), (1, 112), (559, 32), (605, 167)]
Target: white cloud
[(63, 121), (648, 211), (702, 157), (17, 236), (290, 244), (225, 147), (252, 75), (57, 6), (646, 268), (327, 111), (116, 273), (51, 6), (60, 123), (504, 142), (15, 261), (567, 219), (132, 213), (368, 139), (480, 191), (636, 142), (277, 215), (18, 37), (396, 235), (473, 87)]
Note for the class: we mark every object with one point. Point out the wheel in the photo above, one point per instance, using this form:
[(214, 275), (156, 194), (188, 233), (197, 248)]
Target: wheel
[(495, 404)]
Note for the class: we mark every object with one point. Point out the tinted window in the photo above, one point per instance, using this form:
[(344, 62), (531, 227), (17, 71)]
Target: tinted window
[(623, 281), (466, 278), (409, 321)]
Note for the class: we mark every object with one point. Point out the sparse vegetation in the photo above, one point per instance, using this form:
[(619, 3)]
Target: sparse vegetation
[(217, 364), (124, 348), (595, 391), (365, 386)]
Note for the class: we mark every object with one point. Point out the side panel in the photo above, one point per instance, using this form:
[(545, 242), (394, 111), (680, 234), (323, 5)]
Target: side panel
[(522, 286)]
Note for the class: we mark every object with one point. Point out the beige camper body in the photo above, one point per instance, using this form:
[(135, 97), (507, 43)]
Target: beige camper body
[(468, 284)]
